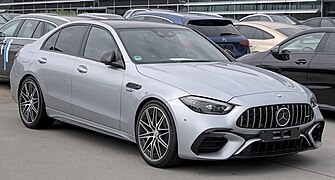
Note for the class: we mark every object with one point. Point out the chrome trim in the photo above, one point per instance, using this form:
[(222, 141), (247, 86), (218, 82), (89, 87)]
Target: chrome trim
[(302, 135), (246, 144)]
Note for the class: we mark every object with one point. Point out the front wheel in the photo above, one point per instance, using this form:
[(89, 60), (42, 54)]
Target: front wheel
[(156, 135), (31, 105)]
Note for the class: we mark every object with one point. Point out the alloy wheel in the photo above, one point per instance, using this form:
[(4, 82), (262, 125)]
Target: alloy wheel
[(29, 102), (153, 133)]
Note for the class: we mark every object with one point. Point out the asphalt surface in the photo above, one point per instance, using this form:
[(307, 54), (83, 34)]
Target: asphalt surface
[(69, 152)]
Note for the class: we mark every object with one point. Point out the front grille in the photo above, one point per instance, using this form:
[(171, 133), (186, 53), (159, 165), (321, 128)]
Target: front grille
[(260, 148), (211, 144), (265, 116)]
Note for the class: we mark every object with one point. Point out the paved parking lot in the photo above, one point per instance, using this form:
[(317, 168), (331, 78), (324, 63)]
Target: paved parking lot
[(68, 152)]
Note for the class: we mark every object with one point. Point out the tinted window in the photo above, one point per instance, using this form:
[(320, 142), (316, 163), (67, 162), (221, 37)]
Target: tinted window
[(315, 23), (155, 19), (50, 42), (70, 39), (49, 27), (326, 23), (38, 31), (330, 46), (263, 18), (267, 35), (2, 20), (258, 35), (28, 28), (253, 18), (99, 41), (9, 29), (137, 18), (214, 28), (303, 44), (288, 31), (247, 31)]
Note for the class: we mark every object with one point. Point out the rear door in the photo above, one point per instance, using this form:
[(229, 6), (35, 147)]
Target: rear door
[(8, 33), (301, 50), (321, 74), (55, 65)]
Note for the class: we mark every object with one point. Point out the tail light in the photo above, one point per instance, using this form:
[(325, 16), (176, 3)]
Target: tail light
[(245, 43)]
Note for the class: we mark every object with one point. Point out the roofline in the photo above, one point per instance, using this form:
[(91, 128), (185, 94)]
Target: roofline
[(44, 2), (43, 15)]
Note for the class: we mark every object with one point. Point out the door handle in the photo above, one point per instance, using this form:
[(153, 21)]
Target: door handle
[(82, 69), (301, 61), (42, 60)]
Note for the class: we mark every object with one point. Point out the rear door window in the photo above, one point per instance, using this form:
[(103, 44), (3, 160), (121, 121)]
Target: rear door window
[(302, 44), (8, 30), (28, 28), (39, 30), (48, 27), (70, 39), (330, 45), (326, 23), (247, 31)]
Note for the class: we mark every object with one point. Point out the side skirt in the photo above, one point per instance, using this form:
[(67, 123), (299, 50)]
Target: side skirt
[(70, 119)]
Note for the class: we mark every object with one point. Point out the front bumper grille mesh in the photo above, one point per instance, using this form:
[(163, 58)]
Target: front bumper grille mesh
[(264, 117), (260, 148)]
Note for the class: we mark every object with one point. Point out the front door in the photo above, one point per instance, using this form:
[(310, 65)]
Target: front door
[(96, 88), (301, 51)]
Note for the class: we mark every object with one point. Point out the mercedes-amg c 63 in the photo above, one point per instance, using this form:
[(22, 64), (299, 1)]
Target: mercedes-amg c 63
[(169, 89)]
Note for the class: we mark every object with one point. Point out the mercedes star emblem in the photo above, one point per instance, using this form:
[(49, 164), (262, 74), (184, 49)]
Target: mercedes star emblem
[(283, 116)]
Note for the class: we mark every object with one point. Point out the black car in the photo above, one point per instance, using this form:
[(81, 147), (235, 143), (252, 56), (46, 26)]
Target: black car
[(320, 22), (22, 30), (308, 58)]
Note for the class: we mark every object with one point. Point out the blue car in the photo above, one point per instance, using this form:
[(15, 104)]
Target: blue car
[(219, 30)]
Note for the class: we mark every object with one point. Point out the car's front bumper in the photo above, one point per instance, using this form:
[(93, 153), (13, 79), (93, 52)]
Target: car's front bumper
[(195, 131)]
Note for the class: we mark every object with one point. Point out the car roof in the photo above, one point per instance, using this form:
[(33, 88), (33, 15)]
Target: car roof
[(119, 24), (101, 15), (184, 16), (332, 18), (270, 25), (55, 18)]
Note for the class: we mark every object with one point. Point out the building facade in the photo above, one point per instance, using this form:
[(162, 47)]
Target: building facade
[(300, 9)]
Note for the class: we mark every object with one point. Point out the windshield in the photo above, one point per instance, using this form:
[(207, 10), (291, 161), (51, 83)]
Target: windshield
[(284, 19), (214, 28), (289, 31), (168, 45)]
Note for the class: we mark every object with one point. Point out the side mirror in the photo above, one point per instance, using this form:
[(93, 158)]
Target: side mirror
[(113, 58), (283, 56), (230, 53)]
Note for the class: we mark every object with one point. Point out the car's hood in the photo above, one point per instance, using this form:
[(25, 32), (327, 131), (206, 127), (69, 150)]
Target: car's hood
[(219, 80)]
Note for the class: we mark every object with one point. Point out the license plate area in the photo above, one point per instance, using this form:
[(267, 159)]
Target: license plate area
[(279, 135)]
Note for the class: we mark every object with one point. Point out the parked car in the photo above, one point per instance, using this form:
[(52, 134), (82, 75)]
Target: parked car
[(308, 58), (272, 18), (131, 12), (219, 30), (102, 16), (165, 87), (320, 22), (22, 30), (215, 15), (5, 17), (264, 35)]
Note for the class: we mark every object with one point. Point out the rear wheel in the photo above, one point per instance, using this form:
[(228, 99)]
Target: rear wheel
[(31, 106), (156, 135)]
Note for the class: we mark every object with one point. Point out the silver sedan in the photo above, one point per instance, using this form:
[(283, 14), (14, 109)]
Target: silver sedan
[(166, 88)]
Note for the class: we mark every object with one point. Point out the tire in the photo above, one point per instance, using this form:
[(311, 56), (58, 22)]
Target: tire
[(32, 107), (156, 138)]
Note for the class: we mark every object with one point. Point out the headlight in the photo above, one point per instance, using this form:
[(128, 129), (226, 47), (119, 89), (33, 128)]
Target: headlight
[(206, 106), (311, 95)]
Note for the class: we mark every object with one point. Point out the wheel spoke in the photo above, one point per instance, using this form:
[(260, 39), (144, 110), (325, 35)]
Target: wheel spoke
[(149, 119), (147, 144), (24, 96), (33, 108), (162, 142), (160, 122), (26, 90), (145, 126), (146, 135), (152, 149), (158, 150), (154, 117)]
